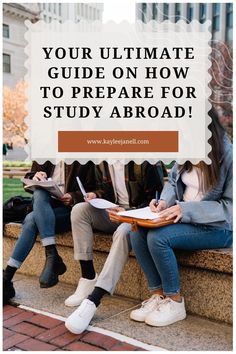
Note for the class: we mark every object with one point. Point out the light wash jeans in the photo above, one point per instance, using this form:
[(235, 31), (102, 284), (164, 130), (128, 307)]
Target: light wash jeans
[(48, 217), (154, 249)]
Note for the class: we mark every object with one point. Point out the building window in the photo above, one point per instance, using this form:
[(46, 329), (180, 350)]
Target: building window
[(202, 13), (229, 22), (90, 13), (144, 11), (6, 63), (190, 12), (165, 12), (5, 31), (154, 11), (177, 12), (216, 17), (229, 15)]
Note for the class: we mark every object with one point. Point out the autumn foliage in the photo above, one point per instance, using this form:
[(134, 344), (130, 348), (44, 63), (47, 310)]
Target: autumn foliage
[(14, 113)]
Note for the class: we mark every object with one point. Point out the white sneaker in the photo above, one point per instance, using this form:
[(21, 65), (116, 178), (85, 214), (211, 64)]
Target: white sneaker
[(148, 306), (79, 320), (83, 290), (168, 312)]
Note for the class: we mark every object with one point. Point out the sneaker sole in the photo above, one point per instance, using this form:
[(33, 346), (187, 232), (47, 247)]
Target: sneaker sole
[(163, 324), (136, 319), (72, 329)]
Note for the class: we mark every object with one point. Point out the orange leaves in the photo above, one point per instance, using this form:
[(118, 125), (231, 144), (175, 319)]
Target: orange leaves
[(14, 111)]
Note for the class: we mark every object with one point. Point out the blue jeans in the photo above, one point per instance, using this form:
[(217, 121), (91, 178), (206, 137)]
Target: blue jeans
[(49, 216), (154, 249)]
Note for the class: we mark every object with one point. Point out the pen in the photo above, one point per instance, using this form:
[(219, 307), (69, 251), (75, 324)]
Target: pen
[(157, 198)]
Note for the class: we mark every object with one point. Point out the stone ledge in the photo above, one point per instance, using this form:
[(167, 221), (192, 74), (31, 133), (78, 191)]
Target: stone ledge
[(219, 260), (206, 279)]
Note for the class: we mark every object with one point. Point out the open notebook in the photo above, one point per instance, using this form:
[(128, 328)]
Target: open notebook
[(49, 185), (142, 213)]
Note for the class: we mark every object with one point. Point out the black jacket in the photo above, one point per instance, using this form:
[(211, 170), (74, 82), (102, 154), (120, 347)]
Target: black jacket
[(142, 182)]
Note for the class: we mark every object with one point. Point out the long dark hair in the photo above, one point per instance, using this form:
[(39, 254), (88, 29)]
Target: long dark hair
[(209, 174)]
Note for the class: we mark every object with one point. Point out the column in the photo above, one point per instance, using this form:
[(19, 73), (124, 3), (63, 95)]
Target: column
[(209, 13), (71, 11), (196, 11), (183, 11), (149, 12), (64, 11), (160, 9), (138, 12), (222, 34), (172, 12)]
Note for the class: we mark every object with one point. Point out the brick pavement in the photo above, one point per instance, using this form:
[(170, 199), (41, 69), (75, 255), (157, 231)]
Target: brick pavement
[(26, 330)]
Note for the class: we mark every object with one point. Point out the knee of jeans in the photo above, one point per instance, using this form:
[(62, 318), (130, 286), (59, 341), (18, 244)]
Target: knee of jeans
[(155, 239), (40, 195), (79, 211), (29, 219), (134, 238)]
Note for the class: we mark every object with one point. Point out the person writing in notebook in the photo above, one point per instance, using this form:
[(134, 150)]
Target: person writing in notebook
[(130, 186), (49, 217), (198, 198)]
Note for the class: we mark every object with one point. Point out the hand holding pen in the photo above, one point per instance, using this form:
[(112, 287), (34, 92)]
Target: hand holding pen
[(157, 199), (157, 205)]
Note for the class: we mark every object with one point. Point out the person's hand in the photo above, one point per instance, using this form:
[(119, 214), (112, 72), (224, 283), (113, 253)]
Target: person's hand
[(40, 176), (112, 212), (89, 196), (173, 212), (67, 199), (157, 208)]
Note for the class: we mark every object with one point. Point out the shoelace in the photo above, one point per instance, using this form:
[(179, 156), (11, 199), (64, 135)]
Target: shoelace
[(165, 301), (162, 303), (149, 302)]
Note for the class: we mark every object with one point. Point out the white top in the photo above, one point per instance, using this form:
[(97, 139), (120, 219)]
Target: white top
[(59, 176), (191, 180), (117, 171)]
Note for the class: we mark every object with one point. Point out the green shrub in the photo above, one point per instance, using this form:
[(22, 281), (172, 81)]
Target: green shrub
[(13, 187), (16, 164)]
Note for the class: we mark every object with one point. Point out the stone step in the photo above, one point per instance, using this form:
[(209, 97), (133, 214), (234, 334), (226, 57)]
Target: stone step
[(193, 333), (206, 276)]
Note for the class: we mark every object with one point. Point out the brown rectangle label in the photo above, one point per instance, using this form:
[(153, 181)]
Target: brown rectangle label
[(118, 141)]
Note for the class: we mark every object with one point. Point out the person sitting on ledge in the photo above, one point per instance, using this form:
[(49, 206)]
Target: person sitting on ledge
[(49, 217), (130, 186), (198, 198)]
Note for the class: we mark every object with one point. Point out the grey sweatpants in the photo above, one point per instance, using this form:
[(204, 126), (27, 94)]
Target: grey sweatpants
[(85, 218)]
